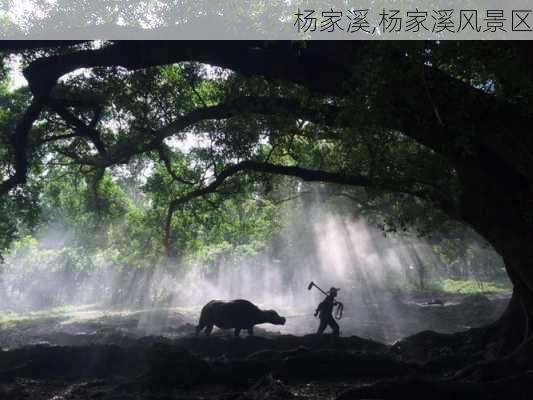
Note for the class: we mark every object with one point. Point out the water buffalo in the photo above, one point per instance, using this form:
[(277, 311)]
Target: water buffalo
[(236, 314)]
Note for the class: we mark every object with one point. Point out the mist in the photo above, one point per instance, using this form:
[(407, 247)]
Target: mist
[(376, 273)]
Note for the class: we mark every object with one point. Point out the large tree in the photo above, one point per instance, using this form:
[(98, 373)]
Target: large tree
[(460, 108)]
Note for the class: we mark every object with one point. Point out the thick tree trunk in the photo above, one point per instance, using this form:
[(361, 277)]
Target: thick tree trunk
[(517, 254), (497, 206), (509, 331), (516, 322)]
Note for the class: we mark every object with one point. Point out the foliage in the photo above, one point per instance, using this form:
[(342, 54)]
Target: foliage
[(473, 286), (111, 184)]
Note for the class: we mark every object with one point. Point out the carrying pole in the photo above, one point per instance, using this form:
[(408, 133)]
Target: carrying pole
[(311, 284)]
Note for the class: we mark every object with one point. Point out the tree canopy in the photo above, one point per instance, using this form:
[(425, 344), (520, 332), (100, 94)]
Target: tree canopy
[(423, 134)]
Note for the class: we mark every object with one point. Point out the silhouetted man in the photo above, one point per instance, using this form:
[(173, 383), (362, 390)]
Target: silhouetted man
[(325, 313)]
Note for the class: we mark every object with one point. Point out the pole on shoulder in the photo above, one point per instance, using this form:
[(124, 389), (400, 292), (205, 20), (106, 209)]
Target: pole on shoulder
[(311, 284)]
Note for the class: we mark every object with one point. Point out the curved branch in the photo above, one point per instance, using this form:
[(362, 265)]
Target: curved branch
[(20, 139), (87, 131), (121, 153), (494, 126), (164, 156), (318, 68), (307, 175)]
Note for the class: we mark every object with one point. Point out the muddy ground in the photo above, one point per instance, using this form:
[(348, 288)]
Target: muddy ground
[(152, 354)]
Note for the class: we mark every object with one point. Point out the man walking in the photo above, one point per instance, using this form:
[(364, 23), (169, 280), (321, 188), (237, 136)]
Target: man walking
[(325, 313)]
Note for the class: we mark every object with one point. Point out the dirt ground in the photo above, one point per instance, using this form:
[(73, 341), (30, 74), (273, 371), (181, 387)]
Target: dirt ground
[(153, 354), (387, 322)]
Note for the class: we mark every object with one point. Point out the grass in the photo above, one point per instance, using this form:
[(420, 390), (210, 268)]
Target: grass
[(9, 318), (458, 286), (471, 286), (79, 313)]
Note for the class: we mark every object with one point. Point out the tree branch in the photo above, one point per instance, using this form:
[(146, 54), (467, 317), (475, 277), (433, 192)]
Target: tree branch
[(87, 131), (305, 174), (20, 140), (491, 123), (121, 153), (163, 155)]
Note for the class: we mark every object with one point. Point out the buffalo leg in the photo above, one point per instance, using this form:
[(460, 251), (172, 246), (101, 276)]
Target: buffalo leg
[(208, 329), (237, 332), (251, 331)]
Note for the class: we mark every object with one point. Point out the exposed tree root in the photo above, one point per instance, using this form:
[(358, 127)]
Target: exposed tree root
[(515, 387)]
